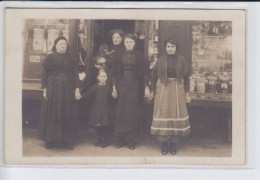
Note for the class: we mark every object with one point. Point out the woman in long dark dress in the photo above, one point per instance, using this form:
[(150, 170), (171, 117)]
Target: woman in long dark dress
[(57, 126), (170, 81), (129, 75)]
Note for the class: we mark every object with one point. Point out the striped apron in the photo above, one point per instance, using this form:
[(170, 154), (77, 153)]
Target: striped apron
[(170, 116)]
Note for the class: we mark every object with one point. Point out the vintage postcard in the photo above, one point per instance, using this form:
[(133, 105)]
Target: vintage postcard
[(117, 87)]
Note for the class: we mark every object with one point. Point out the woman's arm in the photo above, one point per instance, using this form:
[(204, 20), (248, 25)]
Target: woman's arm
[(146, 69), (114, 75), (114, 70), (44, 79), (46, 68), (154, 76), (186, 80), (78, 82), (145, 75)]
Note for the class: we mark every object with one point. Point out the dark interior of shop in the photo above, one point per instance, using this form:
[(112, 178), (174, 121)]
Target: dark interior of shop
[(126, 25)]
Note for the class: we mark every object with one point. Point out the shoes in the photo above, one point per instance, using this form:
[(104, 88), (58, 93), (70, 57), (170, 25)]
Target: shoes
[(49, 145), (131, 144), (98, 142), (119, 143), (105, 143), (164, 149), (69, 146), (173, 149)]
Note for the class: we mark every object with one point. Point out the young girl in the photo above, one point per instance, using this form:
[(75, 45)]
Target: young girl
[(101, 116)]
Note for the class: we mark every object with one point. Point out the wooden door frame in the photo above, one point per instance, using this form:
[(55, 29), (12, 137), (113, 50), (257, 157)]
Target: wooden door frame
[(163, 32)]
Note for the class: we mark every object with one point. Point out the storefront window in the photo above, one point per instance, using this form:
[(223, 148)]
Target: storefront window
[(40, 36), (211, 57)]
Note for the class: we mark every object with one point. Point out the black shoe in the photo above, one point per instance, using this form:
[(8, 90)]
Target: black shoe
[(173, 148), (164, 149), (49, 145), (131, 144), (119, 143), (69, 146), (105, 143), (98, 142)]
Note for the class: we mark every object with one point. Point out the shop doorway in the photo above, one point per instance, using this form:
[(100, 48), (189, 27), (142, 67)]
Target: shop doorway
[(127, 26), (102, 28)]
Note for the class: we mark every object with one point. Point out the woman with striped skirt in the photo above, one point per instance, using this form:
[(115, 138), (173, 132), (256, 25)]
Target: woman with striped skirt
[(170, 85)]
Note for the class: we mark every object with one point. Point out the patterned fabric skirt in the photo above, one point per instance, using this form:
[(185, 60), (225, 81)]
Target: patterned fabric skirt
[(170, 117)]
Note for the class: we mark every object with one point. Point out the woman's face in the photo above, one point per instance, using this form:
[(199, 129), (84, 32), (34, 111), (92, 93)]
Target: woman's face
[(129, 44), (170, 48), (102, 78), (116, 39), (61, 47)]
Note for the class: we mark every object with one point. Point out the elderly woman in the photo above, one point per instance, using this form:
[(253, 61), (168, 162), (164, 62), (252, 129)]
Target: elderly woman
[(170, 81), (57, 125), (129, 75)]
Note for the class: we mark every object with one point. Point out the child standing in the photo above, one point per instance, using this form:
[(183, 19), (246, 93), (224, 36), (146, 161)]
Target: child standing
[(101, 115)]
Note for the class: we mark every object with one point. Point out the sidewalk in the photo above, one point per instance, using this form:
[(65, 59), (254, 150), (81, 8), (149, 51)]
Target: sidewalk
[(146, 146)]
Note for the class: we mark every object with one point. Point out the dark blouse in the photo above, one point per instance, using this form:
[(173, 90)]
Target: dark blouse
[(55, 64), (134, 61), (128, 61), (171, 66)]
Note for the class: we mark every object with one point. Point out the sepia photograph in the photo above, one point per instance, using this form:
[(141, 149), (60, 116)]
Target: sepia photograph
[(90, 87)]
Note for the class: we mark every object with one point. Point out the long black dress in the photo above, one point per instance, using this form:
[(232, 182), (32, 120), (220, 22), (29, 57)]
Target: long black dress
[(57, 115), (129, 74)]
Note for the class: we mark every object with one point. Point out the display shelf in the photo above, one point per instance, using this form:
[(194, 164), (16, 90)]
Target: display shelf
[(225, 61), (206, 36), (211, 96)]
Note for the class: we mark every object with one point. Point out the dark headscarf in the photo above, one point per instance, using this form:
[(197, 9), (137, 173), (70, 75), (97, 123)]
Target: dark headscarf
[(56, 42)]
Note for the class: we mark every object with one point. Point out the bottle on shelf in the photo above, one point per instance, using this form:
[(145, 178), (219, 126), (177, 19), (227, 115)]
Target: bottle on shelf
[(212, 83), (224, 83)]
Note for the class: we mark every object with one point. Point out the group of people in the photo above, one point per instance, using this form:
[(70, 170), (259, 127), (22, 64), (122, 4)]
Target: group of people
[(122, 76)]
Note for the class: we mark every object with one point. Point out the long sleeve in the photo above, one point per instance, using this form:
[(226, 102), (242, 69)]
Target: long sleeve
[(186, 78), (154, 76), (44, 77), (114, 69), (186, 83), (45, 71), (146, 72), (79, 83)]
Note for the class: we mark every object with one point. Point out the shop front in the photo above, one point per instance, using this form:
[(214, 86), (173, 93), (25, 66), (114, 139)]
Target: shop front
[(205, 44)]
